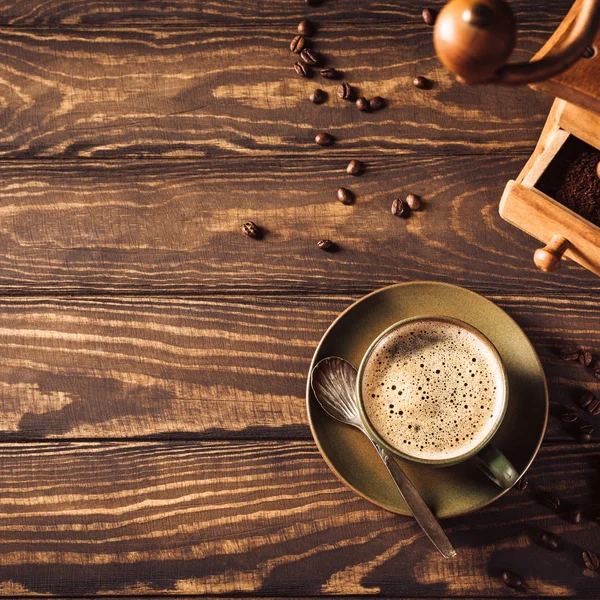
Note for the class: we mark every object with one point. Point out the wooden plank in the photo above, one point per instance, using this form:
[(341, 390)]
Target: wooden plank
[(193, 13), (219, 367), (159, 227), (227, 91), (263, 518)]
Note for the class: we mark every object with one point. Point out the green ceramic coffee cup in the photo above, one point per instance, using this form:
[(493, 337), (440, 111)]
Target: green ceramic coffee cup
[(490, 460)]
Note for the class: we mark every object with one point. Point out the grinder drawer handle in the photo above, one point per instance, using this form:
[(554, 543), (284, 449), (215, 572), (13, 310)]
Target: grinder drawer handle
[(548, 258)]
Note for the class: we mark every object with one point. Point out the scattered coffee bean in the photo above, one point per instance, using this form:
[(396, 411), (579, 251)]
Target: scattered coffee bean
[(550, 500), (376, 103), (594, 407), (586, 358), (597, 374), (512, 580), (399, 208), (523, 483), (548, 540), (569, 353), (413, 201), (362, 104), (326, 245), (590, 560), (310, 57), (345, 196), (586, 400), (251, 230), (301, 69), (574, 515), (306, 28), (429, 16), (329, 73), (585, 434), (588, 52), (568, 416), (318, 96), (422, 82), (345, 91), (354, 167), (324, 139), (297, 44)]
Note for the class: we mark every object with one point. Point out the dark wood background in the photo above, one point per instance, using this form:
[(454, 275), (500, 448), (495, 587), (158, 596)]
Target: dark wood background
[(153, 435)]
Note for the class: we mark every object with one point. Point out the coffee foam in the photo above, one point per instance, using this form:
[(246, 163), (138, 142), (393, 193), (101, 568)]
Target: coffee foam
[(433, 390)]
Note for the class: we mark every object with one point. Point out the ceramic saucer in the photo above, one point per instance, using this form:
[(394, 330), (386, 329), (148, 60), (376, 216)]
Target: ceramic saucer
[(449, 491)]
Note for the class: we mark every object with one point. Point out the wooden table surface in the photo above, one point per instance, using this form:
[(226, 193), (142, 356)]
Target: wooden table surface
[(154, 439)]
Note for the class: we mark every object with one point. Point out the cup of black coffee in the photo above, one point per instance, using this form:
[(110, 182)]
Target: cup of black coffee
[(433, 390)]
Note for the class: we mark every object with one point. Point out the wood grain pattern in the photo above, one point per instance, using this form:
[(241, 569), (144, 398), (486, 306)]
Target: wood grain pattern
[(219, 367), (194, 13), (263, 518), (543, 217), (158, 227), (227, 91)]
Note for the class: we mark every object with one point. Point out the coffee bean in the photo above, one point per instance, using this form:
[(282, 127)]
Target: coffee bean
[(297, 44), (590, 560), (523, 483), (588, 52), (324, 139), (574, 515), (594, 407), (301, 69), (251, 230), (585, 434), (310, 57), (550, 500), (512, 580), (586, 400), (329, 73), (597, 374), (326, 245), (345, 196), (345, 91), (376, 103), (318, 96), (422, 82), (354, 167), (362, 104), (413, 201), (569, 353), (429, 16), (399, 208), (586, 358), (306, 28), (548, 540), (568, 416)]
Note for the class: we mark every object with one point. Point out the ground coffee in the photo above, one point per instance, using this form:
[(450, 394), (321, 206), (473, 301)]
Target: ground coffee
[(572, 179)]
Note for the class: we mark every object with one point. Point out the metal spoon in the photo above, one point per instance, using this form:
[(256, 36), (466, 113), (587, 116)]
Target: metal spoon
[(333, 381)]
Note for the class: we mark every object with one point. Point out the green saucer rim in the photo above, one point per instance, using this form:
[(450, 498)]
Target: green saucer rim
[(390, 509)]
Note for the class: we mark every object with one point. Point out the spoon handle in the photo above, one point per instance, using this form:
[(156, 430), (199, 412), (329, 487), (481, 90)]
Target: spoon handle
[(420, 510)]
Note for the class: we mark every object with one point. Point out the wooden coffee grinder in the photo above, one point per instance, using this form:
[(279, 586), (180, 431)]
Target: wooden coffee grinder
[(474, 39)]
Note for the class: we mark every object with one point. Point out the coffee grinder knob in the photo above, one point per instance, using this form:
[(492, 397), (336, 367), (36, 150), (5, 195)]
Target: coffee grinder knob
[(474, 38), (548, 258)]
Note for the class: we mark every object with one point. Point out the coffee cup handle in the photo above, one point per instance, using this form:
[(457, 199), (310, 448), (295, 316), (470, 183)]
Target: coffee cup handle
[(496, 466)]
